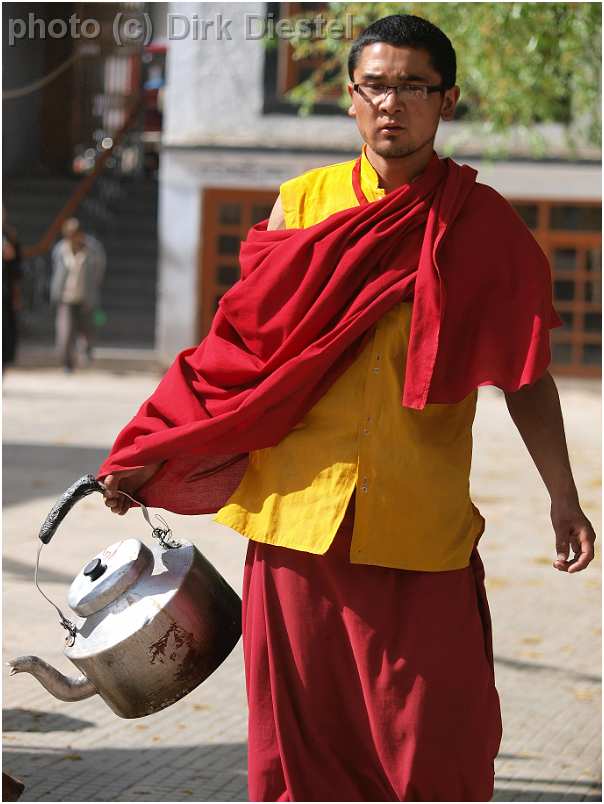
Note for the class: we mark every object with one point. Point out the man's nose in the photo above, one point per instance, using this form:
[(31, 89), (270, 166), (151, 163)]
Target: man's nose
[(391, 103)]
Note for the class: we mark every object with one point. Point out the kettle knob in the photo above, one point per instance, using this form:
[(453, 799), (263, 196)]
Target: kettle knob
[(94, 569)]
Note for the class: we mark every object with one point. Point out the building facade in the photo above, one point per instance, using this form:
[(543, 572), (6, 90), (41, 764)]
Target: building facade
[(230, 139)]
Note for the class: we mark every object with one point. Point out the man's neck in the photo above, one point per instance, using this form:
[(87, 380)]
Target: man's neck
[(396, 171)]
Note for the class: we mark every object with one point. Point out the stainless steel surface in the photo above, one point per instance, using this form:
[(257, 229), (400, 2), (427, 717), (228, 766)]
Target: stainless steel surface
[(62, 687), (123, 562), (157, 622), (162, 637)]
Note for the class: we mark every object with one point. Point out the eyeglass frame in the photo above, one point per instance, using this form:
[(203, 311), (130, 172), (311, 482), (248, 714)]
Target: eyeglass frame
[(428, 89)]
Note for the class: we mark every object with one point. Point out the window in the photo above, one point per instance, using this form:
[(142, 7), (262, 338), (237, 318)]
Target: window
[(570, 235), (282, 72), (227, 216)]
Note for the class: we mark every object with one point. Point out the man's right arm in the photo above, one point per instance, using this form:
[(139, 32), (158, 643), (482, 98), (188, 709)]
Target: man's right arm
[(277, 217), (133, 479)]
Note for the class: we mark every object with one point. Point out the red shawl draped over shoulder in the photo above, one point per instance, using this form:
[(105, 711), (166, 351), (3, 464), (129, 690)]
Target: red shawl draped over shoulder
[(306, 303)]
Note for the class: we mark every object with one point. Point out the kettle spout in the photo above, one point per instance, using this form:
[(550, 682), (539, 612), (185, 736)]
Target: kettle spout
[(65, 688)]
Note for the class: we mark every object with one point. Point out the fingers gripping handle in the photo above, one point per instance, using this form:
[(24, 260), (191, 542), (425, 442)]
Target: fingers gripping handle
[(81, 488)]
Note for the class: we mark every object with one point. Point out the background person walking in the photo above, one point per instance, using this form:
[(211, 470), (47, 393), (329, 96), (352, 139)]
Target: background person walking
[(11, 290), (78, 267)]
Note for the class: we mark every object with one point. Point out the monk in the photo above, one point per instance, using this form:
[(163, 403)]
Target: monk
[(394, 276)]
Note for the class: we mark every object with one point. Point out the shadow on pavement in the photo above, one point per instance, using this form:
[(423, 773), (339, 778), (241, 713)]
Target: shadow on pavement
[(535, 667), (35, 721), (21, 569), (204, 773), (44, 470), (215, 772), (547, 790)]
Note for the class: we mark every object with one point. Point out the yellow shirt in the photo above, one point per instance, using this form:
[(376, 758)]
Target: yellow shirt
[(410, 467)]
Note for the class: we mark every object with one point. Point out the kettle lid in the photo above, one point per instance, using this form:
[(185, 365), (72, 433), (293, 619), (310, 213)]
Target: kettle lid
[(108, 575)]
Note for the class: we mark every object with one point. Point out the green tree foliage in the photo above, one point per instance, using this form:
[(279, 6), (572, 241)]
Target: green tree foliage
[(518, 63)]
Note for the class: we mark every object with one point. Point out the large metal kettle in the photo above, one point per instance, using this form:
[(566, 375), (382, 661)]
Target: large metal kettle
[(154, 622)]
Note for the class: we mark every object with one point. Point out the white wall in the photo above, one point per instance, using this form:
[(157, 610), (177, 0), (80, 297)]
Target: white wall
[(179, 217)]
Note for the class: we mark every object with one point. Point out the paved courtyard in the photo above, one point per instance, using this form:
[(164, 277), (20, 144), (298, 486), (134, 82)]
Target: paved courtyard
[(547, 625)]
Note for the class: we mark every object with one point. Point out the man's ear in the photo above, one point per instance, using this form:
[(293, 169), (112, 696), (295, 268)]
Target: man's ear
[(351, 111), (447, 111)]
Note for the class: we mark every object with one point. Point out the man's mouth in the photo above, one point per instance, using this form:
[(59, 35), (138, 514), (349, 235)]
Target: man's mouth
[(391, 127)]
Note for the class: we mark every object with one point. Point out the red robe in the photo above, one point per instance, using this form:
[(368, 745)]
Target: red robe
[(306, 302), (367, 683)]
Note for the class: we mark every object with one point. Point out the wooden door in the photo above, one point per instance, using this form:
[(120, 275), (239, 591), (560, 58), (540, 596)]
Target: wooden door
[(227, 215)]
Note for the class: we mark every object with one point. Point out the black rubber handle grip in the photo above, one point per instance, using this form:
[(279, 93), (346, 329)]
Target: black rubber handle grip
[(81, 488)]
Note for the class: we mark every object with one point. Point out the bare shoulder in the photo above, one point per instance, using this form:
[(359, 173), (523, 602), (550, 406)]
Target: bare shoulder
[(277, 217)]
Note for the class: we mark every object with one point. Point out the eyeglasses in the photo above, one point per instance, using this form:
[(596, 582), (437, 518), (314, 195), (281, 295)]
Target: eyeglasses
[(376, 93)]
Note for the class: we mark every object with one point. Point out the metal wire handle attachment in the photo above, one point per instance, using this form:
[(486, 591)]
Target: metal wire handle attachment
[(67, 624), (163, 535)]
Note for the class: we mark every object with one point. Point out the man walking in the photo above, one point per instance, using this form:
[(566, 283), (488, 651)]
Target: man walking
[(11, 291), (366, 628), (78, 267)]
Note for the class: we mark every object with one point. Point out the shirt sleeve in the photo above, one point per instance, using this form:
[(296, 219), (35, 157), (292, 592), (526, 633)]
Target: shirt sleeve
[(293, 195)]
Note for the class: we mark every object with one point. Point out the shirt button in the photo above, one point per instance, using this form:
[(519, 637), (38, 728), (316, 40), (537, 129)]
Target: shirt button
[(364, 485), (376, 369)]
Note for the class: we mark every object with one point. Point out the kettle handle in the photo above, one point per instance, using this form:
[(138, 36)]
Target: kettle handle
[(81, 488)]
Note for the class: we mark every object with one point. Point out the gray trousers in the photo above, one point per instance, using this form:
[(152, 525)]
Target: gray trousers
[(73, 321)]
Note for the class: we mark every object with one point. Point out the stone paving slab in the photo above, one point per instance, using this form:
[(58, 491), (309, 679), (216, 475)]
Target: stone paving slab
[(547, 625)]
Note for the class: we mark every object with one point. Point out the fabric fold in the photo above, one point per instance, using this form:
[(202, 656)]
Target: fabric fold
[(304, 306)]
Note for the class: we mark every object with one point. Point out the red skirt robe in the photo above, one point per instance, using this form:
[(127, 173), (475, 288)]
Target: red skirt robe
[(367, 683)]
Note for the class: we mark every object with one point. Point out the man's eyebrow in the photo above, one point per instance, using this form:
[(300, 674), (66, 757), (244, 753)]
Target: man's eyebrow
[(402, 76)]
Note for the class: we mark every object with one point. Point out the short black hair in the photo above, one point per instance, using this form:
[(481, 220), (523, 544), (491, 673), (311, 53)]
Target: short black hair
[(406, 30)]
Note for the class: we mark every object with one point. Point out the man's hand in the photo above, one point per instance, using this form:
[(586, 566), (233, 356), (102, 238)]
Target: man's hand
[(535, 410), (129, 481), (573, 530)]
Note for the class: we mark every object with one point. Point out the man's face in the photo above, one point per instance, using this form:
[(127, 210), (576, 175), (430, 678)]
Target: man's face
[(414, 122)]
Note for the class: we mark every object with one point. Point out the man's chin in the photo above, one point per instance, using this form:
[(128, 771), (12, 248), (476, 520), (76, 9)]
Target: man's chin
[(392, 150)]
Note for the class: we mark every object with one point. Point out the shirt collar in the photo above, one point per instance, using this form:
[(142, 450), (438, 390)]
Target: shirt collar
[(369, 178)]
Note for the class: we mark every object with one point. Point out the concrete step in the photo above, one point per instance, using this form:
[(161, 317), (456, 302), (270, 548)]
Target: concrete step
[(105, 357)]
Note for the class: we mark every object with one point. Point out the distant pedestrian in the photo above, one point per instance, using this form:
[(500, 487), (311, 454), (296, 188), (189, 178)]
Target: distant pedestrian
[(11, 291), (78, 267)]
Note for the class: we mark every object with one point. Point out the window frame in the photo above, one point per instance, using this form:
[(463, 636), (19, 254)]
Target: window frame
[(580, 240)]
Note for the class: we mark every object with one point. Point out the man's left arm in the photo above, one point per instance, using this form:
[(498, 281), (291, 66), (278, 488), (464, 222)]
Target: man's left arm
[(535, 410), (98, 259)]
